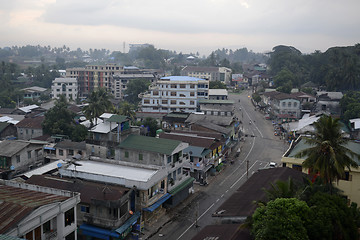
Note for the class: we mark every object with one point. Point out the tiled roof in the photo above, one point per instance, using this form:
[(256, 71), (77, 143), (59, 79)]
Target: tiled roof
[(34, 123), (150, 144), (88, 190), (17, 203)]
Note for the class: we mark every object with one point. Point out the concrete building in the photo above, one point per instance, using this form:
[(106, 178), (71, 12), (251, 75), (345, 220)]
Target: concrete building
[(221, 74), (19, 156), (112, 77), (103, 207), (175, 94), (217, 107), (349, 184), (33, 93), (218, 94), (30, 127), (34, 212), (65, 86)]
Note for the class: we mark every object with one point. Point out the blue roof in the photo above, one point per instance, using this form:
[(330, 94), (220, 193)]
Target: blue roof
[(181, 78), (93, 231), (158, 203)]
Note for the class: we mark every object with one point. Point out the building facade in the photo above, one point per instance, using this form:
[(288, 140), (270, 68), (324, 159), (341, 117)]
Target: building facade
[(65, 86), (221, 74), (175, 94)]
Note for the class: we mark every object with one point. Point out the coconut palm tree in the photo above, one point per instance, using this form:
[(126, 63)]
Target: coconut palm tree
[(98, 103), (328, 154), (127, 109)]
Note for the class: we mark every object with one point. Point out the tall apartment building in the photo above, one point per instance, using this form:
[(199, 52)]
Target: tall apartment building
[(175, 93), (110, 76), (65, 86), (221, 74)]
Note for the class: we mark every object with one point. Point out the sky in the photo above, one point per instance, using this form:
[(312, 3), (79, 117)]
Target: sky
[(186, 26)]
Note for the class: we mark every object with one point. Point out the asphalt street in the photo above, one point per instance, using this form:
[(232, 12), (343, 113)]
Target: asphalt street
[(259, 149)]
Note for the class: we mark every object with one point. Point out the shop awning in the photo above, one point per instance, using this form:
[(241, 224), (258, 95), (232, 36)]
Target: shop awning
[(97, 232), (157, 203), (131, 221), (181, 186)]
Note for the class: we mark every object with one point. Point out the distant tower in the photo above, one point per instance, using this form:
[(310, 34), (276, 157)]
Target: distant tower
[(124, 47)]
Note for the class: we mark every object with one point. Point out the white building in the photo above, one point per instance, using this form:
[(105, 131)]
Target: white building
[(65, 86), (35, 212), (175, 93)]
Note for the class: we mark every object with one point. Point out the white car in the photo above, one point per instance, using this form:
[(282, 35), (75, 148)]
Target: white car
[(272, 164)]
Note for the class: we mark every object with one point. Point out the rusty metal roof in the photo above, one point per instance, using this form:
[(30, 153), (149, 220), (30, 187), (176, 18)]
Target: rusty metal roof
[(88, 190), (17, 203)]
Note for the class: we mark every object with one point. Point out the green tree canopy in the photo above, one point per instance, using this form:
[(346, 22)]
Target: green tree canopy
[(98, 103), (327, 154), (282, 218), (217, 85), (134, 88), (152, 125)]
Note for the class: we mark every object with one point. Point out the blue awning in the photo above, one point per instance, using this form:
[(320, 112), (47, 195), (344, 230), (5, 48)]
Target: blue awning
[(97, 232), (157, 203), (49, 148), (131, 221)]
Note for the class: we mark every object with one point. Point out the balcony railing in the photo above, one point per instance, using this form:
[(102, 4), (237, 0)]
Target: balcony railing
[(103, 222)]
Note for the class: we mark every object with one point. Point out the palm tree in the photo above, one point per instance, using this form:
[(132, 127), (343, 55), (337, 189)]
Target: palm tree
[(127, 109), (328, 154), (99, 102)]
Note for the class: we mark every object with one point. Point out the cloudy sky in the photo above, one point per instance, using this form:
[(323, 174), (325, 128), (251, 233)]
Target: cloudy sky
[(184, 26)]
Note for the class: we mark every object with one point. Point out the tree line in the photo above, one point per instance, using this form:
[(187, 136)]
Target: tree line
[(337, 69)]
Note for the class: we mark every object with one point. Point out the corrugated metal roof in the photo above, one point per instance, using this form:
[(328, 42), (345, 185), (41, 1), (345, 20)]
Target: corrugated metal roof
[(17, 203), (6, 237), (10, 148), (113, 170), (118, 118), (104, 127), (151, 144), (28, 108), (44, 169)]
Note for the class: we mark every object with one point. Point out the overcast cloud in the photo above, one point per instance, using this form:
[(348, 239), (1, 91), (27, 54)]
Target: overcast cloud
[(187, 25)]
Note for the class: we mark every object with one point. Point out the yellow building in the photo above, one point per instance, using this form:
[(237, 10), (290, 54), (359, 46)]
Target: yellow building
[(349, 184)]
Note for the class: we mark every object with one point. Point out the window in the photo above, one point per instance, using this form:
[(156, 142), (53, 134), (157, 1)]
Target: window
[(164, 101), (71, 236), (169, 159), (17, 158), (173, 86), (71, 152), (295, 104), (124, 209), (29, 154), (192, 102), (85, 209), (69, 217), (179, 171), (61, 152), (146, 101), (127, 154), (182, 103), (182, 85), (182, 95), (284, 104), (192, 94), (46, 227), (192, 85), (173, 94), (289, 104), (140, 156), (173, 102), (155, 93)]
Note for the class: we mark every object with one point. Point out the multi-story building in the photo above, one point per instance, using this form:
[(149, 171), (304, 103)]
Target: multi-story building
[(221, 74), (65, 86), (175, 94), (110, 76), (33, 212)]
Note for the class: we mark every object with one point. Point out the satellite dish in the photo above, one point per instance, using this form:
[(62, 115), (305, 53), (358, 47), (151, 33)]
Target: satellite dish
[(12, 168), (198, 164), (59, 165)]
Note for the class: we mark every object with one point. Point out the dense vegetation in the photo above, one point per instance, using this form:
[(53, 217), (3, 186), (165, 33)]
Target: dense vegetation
[(337, 69)]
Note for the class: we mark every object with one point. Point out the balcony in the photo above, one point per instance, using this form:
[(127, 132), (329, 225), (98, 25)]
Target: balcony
[(51, 235), (103, 222)]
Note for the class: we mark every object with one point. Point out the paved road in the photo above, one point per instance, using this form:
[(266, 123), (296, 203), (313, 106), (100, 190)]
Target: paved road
[(260, 148)]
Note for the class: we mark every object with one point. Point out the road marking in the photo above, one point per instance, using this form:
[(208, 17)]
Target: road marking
[(217, 199), (254, 124), (222, 196), (195, 221), (242, 175), (226, 191)]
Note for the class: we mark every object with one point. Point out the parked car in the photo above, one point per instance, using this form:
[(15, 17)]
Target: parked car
[(272, 164)]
